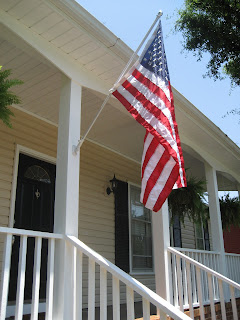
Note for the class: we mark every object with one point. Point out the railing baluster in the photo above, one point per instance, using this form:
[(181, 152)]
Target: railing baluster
[(130, 303), (163, 315), (222, 301), (79, 284), (199, 289), (21, 278), (50, 279), (185, 300), (5, 275), (205, 280), (174, 272), (91, 289), (103, 293), (210, 288), (189, 289), (193, 273), (146, 309), (234, 306), (74, 271), (36, 278), (215, 283), (179, 278), (116, 298)]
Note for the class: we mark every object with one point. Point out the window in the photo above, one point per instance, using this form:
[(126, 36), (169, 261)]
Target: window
[(177, 234), (140, 236), (202, 237), (36, 172)]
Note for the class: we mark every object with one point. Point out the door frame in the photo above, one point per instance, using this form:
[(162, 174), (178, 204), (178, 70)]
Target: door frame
[(41, 156), (29, 152)]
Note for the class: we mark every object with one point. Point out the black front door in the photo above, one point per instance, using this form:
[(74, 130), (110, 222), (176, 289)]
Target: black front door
[(34, 210)]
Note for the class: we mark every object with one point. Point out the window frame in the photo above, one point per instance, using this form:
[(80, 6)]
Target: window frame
[(131, 271), (203, 237), (172, 238)]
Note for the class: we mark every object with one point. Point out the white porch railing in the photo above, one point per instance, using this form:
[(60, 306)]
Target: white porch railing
[(211, 260), (6, 268), (233, 266), (197, 284), (79, 250)]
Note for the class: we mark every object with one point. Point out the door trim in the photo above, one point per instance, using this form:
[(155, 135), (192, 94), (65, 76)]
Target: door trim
[(29, 152)]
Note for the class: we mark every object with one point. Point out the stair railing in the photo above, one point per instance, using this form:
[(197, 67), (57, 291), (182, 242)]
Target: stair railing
[(122, 286), (119, 279)]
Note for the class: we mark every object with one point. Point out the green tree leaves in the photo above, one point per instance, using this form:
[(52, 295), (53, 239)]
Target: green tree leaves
[(213, 27), (7, 97)]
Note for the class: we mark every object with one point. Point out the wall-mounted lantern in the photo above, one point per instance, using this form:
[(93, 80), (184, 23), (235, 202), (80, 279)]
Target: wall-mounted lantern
[(113, 182)]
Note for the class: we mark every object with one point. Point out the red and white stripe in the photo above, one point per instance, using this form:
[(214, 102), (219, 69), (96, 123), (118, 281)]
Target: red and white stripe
[(150, 102)]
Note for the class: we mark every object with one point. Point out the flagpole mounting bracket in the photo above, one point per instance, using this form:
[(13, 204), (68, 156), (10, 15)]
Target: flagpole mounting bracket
[(76, 148)]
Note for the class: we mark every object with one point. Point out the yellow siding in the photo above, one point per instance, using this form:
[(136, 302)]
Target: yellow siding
[(96, 220), (188, 234), (96, 208), (29, 132), (96, 217)]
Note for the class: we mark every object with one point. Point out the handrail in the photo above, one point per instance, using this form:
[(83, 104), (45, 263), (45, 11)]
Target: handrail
[(129, 281), (232, 254), (30, 233), (203, 267), (195, 250)]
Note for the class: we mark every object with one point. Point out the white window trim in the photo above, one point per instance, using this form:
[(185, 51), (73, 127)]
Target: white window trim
[(152, 272), (195, 230)]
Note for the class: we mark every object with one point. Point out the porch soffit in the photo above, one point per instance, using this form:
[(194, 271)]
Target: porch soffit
[(115, 128), (48, 25)]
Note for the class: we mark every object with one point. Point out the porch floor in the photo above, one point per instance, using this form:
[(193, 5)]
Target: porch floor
[(123, 313)]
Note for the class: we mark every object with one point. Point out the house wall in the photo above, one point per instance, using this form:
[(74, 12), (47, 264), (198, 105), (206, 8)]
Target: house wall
[(29, 132), (97, 166), (188, 234), (96, 217), (232, 240), (96, 220)]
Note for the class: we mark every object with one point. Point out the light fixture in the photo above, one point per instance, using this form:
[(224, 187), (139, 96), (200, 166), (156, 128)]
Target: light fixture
[(113, 186)]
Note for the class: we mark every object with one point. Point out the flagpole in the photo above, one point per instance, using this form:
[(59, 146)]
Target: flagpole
[(80, 142)]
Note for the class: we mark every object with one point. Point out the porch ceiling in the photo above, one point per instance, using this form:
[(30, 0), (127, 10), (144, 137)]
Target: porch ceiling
[(103, 57)]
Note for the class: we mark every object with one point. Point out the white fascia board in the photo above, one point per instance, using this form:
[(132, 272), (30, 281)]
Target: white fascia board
[(215, 163), (203, 122), (58, 58)]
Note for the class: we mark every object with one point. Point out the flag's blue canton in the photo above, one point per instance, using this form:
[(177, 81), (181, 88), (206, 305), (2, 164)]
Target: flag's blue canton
[(154, 58)]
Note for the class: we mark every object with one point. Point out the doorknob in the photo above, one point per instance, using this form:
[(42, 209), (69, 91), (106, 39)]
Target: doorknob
[(37, 194)]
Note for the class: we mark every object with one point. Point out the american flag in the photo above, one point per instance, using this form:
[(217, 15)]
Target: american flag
[(146, 93)]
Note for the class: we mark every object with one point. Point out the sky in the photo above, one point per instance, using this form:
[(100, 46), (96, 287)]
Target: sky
[(130, 20)]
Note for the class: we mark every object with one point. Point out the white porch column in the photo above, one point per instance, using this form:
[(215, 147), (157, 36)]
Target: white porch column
[(215, 216), (67, 196), (161, 241)]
